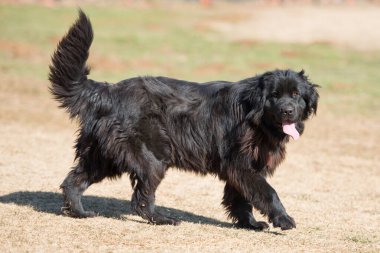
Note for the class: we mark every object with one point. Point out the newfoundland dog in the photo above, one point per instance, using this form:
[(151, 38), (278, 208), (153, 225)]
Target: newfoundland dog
[(144, 125)]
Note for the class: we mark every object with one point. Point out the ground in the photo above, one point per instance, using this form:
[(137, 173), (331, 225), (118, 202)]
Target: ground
[(329, 182)]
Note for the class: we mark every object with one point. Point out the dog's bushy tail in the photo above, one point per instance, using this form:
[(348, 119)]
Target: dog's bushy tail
[(68, 70)]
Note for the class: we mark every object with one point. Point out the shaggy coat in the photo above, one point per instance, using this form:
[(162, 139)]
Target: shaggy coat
[(144, 125)]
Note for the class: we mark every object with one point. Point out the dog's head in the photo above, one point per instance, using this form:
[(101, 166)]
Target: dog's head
[(283, 101)]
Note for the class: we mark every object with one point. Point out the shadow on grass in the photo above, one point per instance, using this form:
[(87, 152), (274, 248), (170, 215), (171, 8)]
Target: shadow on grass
[(51, 202)]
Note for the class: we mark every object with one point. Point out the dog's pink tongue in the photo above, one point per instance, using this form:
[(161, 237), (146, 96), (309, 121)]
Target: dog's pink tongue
[(290, 129)]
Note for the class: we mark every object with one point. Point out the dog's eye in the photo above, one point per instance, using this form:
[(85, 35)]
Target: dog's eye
[(275, 94), (295, 93)]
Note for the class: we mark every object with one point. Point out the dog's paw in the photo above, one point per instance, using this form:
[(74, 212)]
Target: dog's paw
[(85, 214), (257, 225), (284, 222), (158, 219)]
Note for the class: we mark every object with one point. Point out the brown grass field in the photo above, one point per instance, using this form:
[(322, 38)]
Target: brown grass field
[(330, 181)]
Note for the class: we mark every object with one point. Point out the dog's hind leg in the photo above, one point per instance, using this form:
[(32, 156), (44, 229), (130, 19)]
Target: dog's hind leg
[(240, 210), (145, 183), (143, 202), (73, 187)]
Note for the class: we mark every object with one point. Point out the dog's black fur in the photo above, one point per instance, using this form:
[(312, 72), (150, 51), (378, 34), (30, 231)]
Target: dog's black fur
[(144, 125)]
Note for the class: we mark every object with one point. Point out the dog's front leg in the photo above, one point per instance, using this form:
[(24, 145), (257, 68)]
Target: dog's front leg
[(264, 198)]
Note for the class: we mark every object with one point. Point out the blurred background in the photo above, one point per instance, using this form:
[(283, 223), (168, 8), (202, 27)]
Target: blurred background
[(329, 182), (337, 42)]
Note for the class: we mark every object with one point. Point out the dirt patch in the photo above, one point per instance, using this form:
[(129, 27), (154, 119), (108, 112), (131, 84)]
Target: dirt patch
[(107, 63), (18, 49), (344, 26), (210, 69)]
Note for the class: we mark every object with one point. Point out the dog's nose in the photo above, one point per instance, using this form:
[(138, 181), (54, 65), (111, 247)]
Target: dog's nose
[(287, 111)]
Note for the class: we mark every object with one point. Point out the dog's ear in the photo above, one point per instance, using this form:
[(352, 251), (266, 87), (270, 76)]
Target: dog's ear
[(302, 74), (312, 95), (312, 99), (254, 97)]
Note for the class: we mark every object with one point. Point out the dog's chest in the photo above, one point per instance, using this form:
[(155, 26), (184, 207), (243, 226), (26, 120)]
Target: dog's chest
[(267, 157)]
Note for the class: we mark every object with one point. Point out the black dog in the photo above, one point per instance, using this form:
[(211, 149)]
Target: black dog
[(144, 125)]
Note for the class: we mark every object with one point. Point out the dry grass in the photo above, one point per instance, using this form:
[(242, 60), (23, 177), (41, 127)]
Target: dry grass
[(329, 183)]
